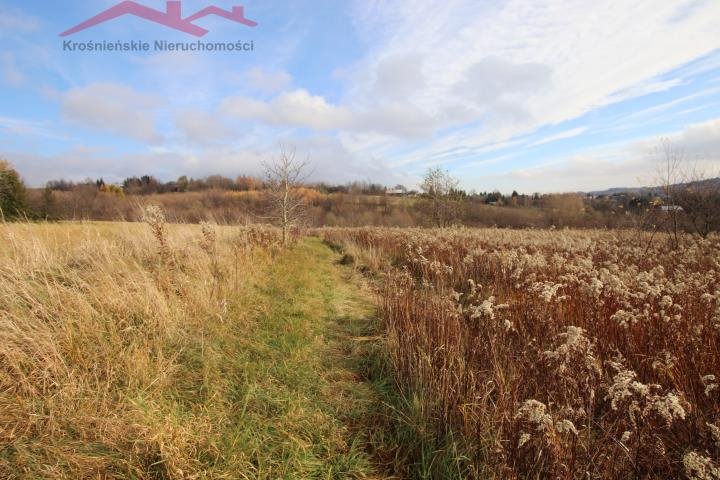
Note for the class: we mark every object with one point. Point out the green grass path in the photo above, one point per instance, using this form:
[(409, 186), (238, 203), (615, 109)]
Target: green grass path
[(303, 410)]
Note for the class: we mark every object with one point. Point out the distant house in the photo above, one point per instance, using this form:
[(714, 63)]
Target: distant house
[(671, 208), (395, 192)]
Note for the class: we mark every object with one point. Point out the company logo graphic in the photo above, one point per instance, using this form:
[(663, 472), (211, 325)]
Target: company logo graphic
[(171, 17)]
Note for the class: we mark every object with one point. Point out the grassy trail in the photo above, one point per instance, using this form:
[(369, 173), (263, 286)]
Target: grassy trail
[(122, 361), (306, 412)]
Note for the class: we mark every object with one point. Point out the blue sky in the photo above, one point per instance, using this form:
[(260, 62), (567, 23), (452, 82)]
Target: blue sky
[(533, 95)]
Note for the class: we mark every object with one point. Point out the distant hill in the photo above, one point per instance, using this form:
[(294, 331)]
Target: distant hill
[(618, 190), (642, 191)]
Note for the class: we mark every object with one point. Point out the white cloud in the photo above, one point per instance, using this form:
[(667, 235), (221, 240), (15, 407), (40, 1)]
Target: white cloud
[(437, 82), (500, 87), (297, 108), (301, 109), (398, 76), (508, 68), (113, 108), (644, 89), (331, 161), (629, 164), (201, 127), (77, 163), (573, 132), (701, 140), (660, 110), (328, 158)]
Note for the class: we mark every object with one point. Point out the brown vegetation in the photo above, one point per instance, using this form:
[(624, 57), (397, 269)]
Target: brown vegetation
[(111, 363), (355, 210), (540, 354)]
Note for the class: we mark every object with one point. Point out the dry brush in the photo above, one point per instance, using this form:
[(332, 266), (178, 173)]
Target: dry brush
[(555, 354)]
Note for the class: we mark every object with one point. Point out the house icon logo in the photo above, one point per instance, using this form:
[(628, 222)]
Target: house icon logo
[(171, 17)]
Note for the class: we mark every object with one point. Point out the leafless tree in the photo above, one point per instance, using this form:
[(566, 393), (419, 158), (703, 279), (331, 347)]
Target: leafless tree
[(670, 174), (441, 189), (699, 198), (690, 200), (284, 175)]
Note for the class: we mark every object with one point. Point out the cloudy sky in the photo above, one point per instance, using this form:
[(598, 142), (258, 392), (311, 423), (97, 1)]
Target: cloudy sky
[(533, 95)]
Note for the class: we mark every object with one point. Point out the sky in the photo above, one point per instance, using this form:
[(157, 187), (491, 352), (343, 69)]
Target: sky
[(527, 95)]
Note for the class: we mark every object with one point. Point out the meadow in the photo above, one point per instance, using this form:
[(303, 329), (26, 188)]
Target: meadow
[(152, 350), (159, 351), (552, 354)]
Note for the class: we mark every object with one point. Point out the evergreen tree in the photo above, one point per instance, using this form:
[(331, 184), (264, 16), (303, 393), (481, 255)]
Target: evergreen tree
[(12, 193)]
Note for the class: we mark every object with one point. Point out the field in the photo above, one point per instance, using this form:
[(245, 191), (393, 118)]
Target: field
[(161, 351), (553, 354), (177, 352)]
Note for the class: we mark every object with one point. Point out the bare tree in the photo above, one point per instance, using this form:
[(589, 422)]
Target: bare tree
[(441, 189), (689, 199), (699, 198), (671, 162), (284, 176)]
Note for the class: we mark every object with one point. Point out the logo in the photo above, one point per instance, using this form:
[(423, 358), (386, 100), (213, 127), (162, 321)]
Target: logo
[(171, 17)]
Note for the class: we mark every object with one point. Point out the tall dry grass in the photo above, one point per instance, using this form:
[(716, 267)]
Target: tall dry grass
[(110, 346), (554, 354)]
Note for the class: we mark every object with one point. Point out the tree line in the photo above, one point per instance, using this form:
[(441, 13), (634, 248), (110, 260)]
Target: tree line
[(682, 201)]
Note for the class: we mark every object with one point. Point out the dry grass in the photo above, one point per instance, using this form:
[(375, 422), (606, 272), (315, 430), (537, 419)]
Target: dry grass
[(161, 351), (110, 364), (553, 354)]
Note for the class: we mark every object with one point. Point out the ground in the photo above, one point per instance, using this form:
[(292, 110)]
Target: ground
[(306, 411)]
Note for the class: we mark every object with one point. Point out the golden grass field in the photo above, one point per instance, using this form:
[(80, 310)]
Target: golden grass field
[(160, 351), (177, 352)]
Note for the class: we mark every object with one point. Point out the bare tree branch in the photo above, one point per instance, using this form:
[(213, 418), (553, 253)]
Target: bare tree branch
[(284, 176), (442, 191)]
